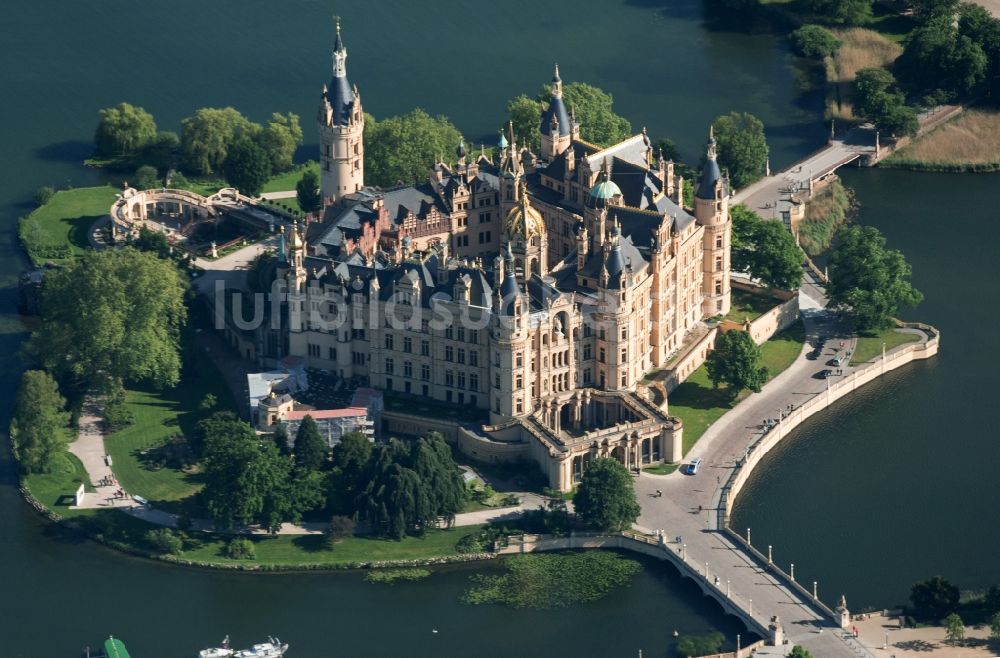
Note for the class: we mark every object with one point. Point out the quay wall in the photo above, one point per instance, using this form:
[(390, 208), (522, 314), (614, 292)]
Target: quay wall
[(896, 358), (779, 318)]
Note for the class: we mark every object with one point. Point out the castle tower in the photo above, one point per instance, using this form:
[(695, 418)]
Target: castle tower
[(557, 129), (510, 376), (295, 276), (711, 210), (604, 194), (341, 127), (615, 327)]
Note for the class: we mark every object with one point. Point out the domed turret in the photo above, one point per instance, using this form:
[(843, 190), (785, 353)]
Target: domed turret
[(523, 221), (605, 192), (460, 150)]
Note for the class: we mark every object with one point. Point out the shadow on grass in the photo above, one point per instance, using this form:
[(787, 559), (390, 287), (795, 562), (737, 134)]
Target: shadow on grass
[(695, 396), (309, 543), (79, 228)]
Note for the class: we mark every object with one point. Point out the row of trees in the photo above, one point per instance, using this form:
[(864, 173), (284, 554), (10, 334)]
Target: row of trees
[(213, 141)]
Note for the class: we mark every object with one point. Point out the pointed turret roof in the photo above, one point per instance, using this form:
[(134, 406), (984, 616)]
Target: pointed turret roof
[(339, 92), (556, 109), (710, 174)]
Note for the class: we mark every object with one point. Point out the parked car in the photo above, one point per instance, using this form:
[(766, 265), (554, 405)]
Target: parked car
[(837, 361), (823, 374), (814, 354), (692, 468)]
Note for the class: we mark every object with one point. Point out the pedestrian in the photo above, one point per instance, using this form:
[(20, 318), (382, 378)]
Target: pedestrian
[(699, 508)]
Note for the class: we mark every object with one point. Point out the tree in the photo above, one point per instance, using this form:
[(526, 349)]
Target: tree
[(279, 139), (594, 111), (207, 136), (605, 499), (814, 42), (123, 130), (247, 481), (735, 362), (954, 628), (765, 250), (526, 115), (43, 195), (146, 178), (995, 627), (940, 60), (841, 12), (404, 148), (927, 10), (867, 280), (281, 439), (240, 548), (411, 485), (991, 600), (113, 315), (934, 598), (799, 652), (875, 96), (247, 166), (161, 152), (308, 193), (742, 146), (898, 121), (310, 448), (351, 463), (38, 426)]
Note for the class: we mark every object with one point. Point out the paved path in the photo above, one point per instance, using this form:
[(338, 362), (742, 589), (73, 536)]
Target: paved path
[(231, 268), (878, 631), (89, 449), (286, 194)]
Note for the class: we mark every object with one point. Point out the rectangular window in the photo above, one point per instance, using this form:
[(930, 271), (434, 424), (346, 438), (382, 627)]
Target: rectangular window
[(600, 355), (449, 378), (407, 344), (461, 355), (461, 380), (425, 373), (389, 366), (586, 376), (473, 357), (474, 381), (474, 336), (461, 335), (518, 360), (447, 396), (718, 242), (333, 353), (425, 348), (388, 341), (519, 382), (718, 263), (588, 353), (407, 368), (718, 288), (449, 353), (449, 332)]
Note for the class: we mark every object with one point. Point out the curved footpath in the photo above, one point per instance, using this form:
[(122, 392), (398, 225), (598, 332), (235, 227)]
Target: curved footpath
[(693, 510)]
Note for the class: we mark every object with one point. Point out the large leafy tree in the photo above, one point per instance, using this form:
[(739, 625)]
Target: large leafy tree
[(942, 61), (279, 139), (111, 316), (351, 463), (877, 97), (207, 136), (841, 12), (735, 362), (404, 148), (247, 166), (310, 448), (308, 193), (765, 250), (124, 130), (933, 599), (742, 146), (410, 486), (814, 42), (526, 115), (605, 499), (247, 481), (594, 109), (38, 427), (868, 280), (926, 10)]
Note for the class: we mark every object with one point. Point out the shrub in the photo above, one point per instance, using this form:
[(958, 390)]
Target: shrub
[(240, 548), (43, 195), (390, 576), (164, 541), (814, 41), (146, 178), (339, 528)]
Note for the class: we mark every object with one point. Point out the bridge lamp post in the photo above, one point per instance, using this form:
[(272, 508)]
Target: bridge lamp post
[(748, 536), (769, 560), (684, 552), (706, 571), (751, 607), (793, 572), (814, 591), (737, 645), (728, 591)]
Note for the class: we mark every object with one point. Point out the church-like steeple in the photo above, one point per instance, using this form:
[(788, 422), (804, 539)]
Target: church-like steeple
[(556, 113), (341, 130), (339, 91)]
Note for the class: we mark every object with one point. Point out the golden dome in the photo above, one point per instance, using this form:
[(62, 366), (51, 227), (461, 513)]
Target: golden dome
[(523, 220)]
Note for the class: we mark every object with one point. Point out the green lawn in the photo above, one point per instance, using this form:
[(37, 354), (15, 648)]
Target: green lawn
[(205, 188), (308, 549), (662, 469), (160, 415), (55, 490), (286, 181), (869, 347), (748, 306), (698, 405), (58, 230)]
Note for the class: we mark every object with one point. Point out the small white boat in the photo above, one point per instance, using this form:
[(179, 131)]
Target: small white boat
[(273, 648)]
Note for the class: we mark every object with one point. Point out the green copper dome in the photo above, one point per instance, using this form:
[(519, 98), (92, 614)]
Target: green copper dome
[(603, 192)]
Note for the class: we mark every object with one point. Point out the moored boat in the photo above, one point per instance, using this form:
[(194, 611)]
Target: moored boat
[(273, 648)]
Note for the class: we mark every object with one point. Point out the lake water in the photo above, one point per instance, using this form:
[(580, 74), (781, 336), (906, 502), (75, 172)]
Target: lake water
[(892, 485)]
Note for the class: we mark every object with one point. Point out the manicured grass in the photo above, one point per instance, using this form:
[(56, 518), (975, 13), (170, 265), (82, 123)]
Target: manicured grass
[(869, 347), (698, 404), (159, 416), (58, 230), (286, 181), (662, 469), (287, 550), (205, 188), (55, 490), (748, 306)]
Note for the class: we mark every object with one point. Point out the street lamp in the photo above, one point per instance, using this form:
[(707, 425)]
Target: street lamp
[(728, 591)]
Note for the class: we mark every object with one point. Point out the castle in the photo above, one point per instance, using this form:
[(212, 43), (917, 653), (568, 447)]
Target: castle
[(539, 288)]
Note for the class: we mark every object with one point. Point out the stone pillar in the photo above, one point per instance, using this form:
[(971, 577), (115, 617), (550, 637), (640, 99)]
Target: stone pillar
[(843, 614), (675, 437), (777, 633)]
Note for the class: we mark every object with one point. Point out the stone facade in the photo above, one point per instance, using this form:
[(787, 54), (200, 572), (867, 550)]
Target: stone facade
[(537, 288)]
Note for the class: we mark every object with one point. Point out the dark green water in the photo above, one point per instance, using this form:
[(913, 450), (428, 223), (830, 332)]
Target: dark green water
[(898, 482), (64, 61)]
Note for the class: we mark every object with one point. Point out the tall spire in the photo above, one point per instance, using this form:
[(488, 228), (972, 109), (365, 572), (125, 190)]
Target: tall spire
[(339, 54), (710, 174), (556, 109), (556, 83), (338, 45)]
